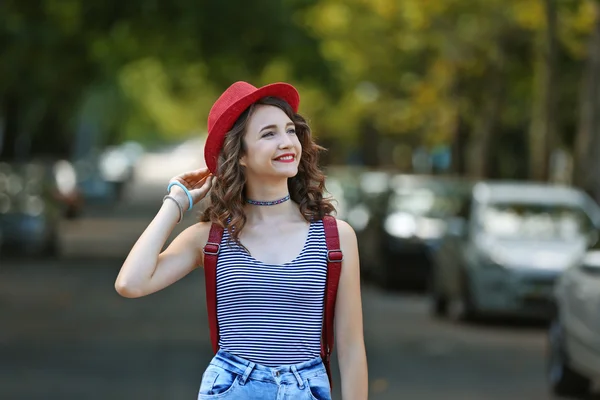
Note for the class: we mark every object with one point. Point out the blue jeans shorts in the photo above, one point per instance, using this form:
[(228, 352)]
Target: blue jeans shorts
[(231, 377)]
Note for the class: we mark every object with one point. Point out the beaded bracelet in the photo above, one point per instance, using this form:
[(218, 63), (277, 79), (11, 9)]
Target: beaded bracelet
[(178, 206), (189, 195)]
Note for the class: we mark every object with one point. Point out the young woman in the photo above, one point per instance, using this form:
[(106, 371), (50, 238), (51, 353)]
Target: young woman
[(266, 190)]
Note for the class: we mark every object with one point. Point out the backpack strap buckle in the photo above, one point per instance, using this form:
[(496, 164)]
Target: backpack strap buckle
[(212, 249), (335, 256)]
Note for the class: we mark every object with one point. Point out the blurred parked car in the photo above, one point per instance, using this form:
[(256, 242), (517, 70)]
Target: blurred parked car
[(90, 181), (574, 333), (60, 183), (513, 242), (30, 213), (373, 187), (65, 189), (117, 165), (406, 223), (342, 182)]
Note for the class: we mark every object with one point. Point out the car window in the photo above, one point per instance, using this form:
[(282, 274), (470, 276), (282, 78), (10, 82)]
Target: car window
[(540, 221)]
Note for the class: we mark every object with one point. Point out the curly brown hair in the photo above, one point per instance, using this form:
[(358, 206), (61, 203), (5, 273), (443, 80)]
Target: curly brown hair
[(227, 195)]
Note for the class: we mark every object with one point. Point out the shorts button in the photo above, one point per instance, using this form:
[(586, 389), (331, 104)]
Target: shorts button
[(277, 374)]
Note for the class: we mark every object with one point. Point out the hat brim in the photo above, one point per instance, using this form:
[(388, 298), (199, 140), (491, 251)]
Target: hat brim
[(225, 122)]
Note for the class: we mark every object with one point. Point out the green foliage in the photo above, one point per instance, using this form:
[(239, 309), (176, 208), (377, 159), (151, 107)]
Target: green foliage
[(148, 69), (164, 63)]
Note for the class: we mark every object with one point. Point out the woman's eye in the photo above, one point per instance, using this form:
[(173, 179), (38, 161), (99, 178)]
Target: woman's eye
[(267, 134), (292, 131)]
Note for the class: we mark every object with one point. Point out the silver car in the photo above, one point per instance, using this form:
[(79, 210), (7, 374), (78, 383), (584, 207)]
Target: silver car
[(29, 214), (574, 334), (505, 254)]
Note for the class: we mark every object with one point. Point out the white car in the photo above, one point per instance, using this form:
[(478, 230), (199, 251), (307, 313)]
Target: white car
[(574, 334), (516, 240)]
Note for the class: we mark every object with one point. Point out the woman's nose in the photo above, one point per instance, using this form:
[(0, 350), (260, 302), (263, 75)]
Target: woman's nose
[(285, 141)]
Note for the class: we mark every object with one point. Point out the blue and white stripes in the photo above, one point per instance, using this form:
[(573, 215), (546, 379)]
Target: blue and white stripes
[(272, 314)]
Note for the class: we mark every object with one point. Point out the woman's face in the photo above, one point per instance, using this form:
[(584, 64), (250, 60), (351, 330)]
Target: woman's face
[(272, 147)]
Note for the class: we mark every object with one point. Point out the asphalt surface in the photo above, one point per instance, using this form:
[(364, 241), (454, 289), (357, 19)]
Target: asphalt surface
[(66, 334)]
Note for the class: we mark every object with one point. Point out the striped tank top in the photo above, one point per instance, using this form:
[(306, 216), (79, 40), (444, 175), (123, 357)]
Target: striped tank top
[(272, 314)]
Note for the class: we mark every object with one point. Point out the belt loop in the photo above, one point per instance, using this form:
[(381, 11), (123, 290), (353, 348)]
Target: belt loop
[(297, 375), (247, 372)]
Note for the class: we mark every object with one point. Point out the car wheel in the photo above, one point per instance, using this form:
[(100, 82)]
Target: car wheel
[(438, 301), (463, 308), (564, 381), (439, 306)]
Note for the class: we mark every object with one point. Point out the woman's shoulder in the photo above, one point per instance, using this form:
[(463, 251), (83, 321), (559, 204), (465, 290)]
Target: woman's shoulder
[(200, 230), (346, 233), (202, 226), (348, 244)]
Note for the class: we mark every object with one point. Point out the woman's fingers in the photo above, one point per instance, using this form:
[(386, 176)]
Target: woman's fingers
[(199, 193), (193, 183), (197, 174), (197, 182), (193, 179)]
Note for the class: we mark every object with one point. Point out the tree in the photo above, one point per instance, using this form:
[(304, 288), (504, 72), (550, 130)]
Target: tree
[(587, 148), (58, 55)]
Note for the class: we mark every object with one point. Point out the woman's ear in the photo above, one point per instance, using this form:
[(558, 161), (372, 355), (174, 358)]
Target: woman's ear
[(243, 160)]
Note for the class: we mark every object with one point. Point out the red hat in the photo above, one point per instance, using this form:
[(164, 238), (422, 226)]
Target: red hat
[(231, 104)]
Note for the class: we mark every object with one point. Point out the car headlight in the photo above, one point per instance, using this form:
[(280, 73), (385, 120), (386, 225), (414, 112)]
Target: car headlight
[(114, 166), (358, 217), (430, 228), (65, 176), (405, 225), (401, 225)]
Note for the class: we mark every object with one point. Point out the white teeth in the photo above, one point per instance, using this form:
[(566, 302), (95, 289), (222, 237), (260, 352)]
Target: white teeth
[(286, 158)]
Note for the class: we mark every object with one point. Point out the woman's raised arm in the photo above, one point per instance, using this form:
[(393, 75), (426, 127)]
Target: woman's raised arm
[(147, 270)]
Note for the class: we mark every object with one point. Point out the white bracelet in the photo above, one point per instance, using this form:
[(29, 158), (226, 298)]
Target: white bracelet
[(178, 206)]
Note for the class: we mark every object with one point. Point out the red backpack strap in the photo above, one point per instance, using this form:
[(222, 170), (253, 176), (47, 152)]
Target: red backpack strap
[(334, 269), (211, 255)]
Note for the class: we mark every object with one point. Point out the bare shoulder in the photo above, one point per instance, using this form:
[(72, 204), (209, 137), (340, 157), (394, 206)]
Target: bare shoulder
[(350, 265), (199, 233), (347, 234), (195, 235), (193, 238)]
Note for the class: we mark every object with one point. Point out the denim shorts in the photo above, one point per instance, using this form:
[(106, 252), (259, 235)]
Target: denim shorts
[(231, 377)]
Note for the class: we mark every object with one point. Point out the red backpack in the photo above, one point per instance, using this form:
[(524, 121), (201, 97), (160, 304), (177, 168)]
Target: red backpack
[(334, 269)]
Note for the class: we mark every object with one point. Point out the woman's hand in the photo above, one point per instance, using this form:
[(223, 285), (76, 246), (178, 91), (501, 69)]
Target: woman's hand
[(198, 183)]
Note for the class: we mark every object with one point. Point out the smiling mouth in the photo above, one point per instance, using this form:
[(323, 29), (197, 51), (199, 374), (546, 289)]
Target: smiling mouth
[(286, 158)]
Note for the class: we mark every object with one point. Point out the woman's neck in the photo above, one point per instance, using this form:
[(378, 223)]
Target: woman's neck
[(284, 211), (279, 213), (266, 193)]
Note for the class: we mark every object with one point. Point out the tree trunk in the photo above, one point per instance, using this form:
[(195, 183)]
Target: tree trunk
[(370, 141), (10, 115), (587, 142), (486, 125), (459, 146), (542, 129)]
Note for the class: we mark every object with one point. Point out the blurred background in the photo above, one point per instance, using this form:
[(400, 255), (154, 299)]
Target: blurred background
[(463, 145)]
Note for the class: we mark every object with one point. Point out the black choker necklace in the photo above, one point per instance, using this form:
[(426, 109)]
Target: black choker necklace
[(268, 203)]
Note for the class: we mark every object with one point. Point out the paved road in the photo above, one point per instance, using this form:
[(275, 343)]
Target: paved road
[(67, 335)]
